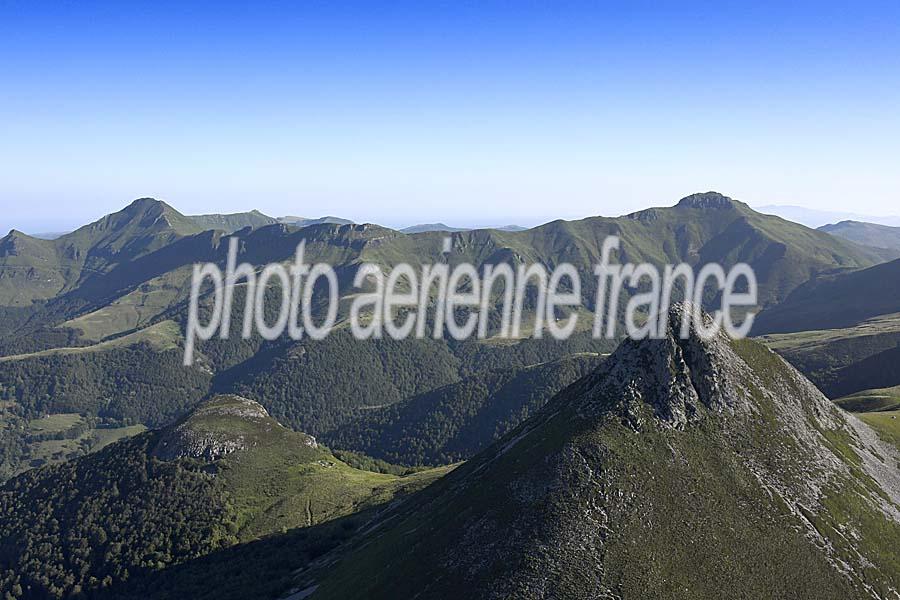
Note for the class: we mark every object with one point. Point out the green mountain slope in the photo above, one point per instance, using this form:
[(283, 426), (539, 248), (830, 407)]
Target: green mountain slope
[(871, 400), (320, 386), (680, 469), (836, 300), (866, 234), (33, 269), (829, 356), (876, 371), (454, 422), (226, 474), (700, 228), (130, 272), (841, 330)]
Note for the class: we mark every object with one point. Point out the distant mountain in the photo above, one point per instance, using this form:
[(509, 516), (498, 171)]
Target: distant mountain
[(701, 228), (49, 235), (233, 222), (866, 234), (304, 222), (817, 218), (625, 484), (424, 227), (33, 269), (101, 291), (228, 473)]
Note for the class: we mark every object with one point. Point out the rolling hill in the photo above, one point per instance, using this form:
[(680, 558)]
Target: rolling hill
[(836, 300), (35, 269), (866, 234), (841, 330)]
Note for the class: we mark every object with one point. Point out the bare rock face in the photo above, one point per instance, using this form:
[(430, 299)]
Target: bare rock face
[(681, 378), (707, 200), (219, 427)]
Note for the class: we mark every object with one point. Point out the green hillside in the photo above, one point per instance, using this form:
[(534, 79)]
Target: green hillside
[(227, 474), (109, 287), (700, 228), (843, 361), (680, 469), (34, 269), (842, 330), (866, 234), (454, 422), (836, 300), (874, 400)]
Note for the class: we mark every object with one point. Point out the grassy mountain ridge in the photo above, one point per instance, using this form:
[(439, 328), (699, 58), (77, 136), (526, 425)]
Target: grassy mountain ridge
[(230, 223), (700, 228), (624, 485), (33, 269), (866, 234)]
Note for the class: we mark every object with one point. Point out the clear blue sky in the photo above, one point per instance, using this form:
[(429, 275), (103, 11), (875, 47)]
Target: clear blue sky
[(464, 112)]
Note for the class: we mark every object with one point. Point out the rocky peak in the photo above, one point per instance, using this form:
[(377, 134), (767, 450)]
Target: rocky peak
[(147, 204), (12, 241), (707, 200), (679, 378), (218, 427)]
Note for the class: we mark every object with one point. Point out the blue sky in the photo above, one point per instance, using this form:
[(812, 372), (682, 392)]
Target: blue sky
[(469, 113)]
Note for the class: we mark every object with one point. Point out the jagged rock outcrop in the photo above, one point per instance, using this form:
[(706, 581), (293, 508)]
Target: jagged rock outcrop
[(713, 200), (681, 468), (217, 428)]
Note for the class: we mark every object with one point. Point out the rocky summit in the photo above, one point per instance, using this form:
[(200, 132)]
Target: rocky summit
[(680, 468), (218, 427)]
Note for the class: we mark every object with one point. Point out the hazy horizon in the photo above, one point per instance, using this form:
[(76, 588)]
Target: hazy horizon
[(466, 114), (811, 217)]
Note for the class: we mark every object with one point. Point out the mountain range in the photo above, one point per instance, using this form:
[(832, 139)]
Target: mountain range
[(818, 218), (526, 468), (114, 293)]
